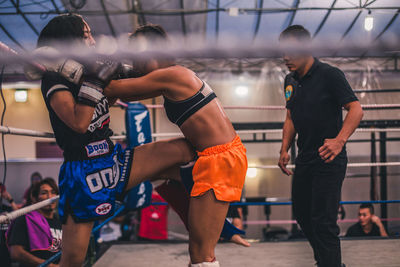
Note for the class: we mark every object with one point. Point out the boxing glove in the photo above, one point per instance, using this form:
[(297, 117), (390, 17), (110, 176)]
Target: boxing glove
[(68, 68), (96, 77)]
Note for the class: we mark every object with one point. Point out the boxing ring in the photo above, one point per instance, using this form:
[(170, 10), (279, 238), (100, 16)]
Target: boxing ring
[(284, 253), (379, 252), (296, 252)]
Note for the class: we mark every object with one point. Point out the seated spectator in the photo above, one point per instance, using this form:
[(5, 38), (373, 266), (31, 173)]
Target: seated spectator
[(4, 195), (36, 236), (368, 225), (234, 216), (36, 177)]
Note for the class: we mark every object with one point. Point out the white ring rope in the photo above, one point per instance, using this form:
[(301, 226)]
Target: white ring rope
[(8, 217), (195, 47), (269, 131), (365, 106), (32, 133), (25, 132), (349, 165)]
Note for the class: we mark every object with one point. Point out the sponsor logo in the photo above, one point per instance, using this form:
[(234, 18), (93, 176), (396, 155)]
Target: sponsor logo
[(56, 239), (97, 148), (125, 164), (101, 115), (141, 138), (288, 92), (141, 201), (103, 209), (106, 178)]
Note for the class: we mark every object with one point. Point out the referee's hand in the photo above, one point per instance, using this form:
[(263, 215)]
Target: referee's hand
[(330, 149), (283, 161)]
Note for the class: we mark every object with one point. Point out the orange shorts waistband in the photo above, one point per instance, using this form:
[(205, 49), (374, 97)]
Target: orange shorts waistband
[(236, 142)]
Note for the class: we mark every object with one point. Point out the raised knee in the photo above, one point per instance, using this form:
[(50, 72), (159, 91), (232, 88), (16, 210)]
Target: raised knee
[(186, 149)]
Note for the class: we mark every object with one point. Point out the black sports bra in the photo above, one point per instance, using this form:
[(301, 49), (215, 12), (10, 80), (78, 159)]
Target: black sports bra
[(179, 111)]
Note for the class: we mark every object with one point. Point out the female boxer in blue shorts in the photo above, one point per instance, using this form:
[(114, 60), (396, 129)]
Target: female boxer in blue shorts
[(95, 171)]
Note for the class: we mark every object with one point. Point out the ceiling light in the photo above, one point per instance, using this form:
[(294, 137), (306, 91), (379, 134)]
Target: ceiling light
[(233, 11), (242, 90), (369, 22), (21, 85), (21, 95), (251, 172)]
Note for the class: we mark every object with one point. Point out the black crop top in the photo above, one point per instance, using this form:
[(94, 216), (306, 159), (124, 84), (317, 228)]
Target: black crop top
[(179, 111)]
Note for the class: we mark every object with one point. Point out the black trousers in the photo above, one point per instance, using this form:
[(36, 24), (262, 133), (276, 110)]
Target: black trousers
[(316, 191)]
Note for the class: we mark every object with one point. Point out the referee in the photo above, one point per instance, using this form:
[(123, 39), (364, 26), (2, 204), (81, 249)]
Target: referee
[(315, 94)]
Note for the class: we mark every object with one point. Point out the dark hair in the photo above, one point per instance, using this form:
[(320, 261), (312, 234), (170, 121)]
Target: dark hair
[(367, 206), (153, 32), (29, 200), (63, 28), (49, 181), (156, 36), (36, 174), (295, 31)]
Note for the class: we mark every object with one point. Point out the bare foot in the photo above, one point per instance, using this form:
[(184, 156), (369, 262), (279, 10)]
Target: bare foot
[(237, 239)]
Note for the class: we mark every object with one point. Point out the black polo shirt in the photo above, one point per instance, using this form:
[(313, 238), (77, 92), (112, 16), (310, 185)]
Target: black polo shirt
[(315, 102), (356, 230)]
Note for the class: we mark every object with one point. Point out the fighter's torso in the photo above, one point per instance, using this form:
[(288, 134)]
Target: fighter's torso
[(201, 118), (76, 146)]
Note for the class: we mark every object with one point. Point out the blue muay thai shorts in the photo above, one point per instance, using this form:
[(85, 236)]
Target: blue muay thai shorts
[(90, 187)]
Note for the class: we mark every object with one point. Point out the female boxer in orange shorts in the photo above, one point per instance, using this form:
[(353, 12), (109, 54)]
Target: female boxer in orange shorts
[(220, 170)]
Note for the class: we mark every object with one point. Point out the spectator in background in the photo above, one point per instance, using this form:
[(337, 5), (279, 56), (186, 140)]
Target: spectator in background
[(36, 236), (235, 216), (341, 212), (5, 259), (36, 177), (5, 195), (368, 225)]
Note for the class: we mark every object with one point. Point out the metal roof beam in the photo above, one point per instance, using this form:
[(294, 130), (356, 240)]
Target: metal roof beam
[(351, 25), (177, 12), (369, 3), (11, 37), (388, 25), (183, 22), (258, 19), (107, 15), (349, 29), (137, 6), (324, 19), (296, 4), (19, 12), (55, 7), (217, 21)]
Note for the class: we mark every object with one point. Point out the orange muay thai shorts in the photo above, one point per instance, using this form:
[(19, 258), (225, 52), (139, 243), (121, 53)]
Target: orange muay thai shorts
[(221, 168)]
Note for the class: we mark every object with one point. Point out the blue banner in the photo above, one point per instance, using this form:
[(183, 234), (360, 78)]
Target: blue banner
[(137, 119), (138, 132)]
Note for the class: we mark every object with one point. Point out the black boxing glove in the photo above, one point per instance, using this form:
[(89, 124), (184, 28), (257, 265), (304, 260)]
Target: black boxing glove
[(126, 71), (95, 79)]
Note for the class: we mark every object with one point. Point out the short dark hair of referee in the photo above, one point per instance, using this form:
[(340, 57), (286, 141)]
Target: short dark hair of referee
[(315, 94)]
